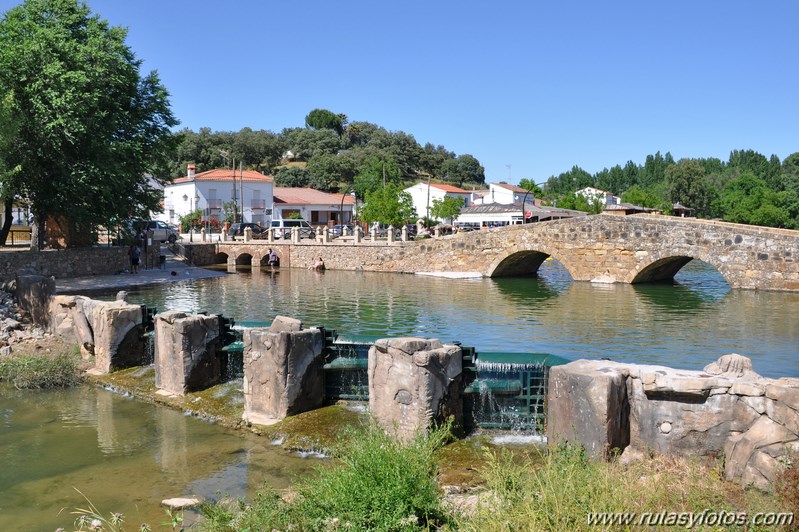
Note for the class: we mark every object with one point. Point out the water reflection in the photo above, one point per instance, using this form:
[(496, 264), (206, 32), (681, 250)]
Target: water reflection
[(686, 325), (125, 456)]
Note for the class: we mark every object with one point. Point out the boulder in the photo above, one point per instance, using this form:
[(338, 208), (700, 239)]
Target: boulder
[(283, 373), (33, 293), (414, 382)]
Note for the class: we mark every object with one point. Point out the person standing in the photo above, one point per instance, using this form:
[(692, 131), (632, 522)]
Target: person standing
[(272, 259), (134, 253)]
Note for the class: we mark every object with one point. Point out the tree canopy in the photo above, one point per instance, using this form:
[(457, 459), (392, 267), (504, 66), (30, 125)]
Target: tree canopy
[(90, 126), (446, 208)]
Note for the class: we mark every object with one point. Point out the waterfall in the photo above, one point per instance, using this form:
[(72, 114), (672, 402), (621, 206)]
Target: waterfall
[(508, 395), (149, 348)]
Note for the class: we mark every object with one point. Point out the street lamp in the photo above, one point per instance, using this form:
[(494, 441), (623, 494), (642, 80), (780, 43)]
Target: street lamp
[(524, 200), (341, 206)]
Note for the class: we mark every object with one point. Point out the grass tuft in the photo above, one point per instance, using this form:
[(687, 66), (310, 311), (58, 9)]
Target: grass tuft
[(378, 483), (41, 371)]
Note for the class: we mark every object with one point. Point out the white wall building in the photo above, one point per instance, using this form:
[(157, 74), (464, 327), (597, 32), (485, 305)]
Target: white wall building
[(596, 195), (503, 194), (318, 208), (251, 191), (424, 194)]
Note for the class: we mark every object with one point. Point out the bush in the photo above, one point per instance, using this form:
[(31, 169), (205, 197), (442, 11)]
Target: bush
[(41, 371), (379, 483), (786, 485), (559, 494)]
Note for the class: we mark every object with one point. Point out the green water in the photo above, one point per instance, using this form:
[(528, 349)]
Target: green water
[(124, 455), (127, 456), (686, 325)]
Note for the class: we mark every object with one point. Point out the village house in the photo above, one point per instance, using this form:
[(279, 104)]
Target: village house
[(249, 192), (318, 208), (424, 194)]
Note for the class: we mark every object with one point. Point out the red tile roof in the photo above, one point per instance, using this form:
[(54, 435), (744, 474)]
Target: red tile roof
[(309, 196), (449, 188), (226, 174)]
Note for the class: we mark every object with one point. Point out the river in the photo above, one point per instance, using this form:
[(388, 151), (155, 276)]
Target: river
[(685, 325), (126, 456)]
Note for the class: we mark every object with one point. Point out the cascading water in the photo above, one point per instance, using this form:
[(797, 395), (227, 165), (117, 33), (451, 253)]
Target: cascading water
[(149, 349), (508, 390), (346, 370)]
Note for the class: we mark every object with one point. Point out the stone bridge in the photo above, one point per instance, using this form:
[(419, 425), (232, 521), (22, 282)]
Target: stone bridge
[(600, 248)]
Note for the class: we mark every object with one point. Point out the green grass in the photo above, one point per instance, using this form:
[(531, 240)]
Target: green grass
[(378, 483), (41, 371), (560, 493)]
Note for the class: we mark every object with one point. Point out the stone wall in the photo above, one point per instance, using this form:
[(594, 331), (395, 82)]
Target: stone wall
[(609, 249), (60, 263), (726, 409)]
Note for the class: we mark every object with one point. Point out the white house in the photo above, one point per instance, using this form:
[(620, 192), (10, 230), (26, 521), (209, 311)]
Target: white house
[(249, 191), (504, 194), (423, 196), (501, 214), (596, 195), (319, 208)]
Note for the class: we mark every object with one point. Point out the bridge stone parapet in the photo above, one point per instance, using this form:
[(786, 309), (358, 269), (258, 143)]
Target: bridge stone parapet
[(600, 248)]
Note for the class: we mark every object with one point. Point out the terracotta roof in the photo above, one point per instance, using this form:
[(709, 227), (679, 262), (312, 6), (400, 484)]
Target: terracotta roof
[(309, 196), (512, 188), (449, 188), (226, 174)]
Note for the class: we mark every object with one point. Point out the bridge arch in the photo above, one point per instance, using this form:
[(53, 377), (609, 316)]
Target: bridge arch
[(220, 258), (243, 259), (663, 268), (520, 262)]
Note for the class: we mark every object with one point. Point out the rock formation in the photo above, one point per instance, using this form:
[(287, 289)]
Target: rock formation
[(727, 408)]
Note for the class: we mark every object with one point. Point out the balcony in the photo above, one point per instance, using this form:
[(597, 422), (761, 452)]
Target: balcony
[(214, 203), (258, 204)]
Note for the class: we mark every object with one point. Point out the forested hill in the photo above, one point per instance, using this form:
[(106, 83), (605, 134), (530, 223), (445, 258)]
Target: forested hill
[(332, 154), (747, 188), (327, 154)]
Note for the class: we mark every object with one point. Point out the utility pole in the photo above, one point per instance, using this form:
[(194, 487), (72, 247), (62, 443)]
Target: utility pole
[(241, 189), (235, 203)]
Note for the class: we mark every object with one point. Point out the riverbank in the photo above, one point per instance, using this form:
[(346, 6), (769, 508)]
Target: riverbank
[(175, 269)]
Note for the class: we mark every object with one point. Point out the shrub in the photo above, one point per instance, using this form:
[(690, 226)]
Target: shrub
[(786, 485), (561, 492), (41, 371), (379, 483)]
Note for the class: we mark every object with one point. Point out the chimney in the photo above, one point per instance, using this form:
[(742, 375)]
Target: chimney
[(191, 169)]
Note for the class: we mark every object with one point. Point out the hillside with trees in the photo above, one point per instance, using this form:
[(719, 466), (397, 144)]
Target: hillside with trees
[(747, 188), (329, 154)]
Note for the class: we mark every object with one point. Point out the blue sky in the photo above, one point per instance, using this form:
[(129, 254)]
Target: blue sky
[(530, 88)]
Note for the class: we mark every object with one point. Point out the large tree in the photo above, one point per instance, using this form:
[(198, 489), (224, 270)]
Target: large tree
[(8, 130), (324, 119), (90, 125)]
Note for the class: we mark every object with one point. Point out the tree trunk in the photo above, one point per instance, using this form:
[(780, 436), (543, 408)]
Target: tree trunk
[(7, 220), (37, 232)]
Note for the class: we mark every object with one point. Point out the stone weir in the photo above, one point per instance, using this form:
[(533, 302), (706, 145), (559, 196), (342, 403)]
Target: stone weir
[(415, 382), (726, 409)]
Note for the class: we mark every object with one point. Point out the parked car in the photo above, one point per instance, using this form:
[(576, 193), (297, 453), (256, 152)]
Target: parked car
[(237, 229), (162, 231), (338, 229), (283, 228)]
